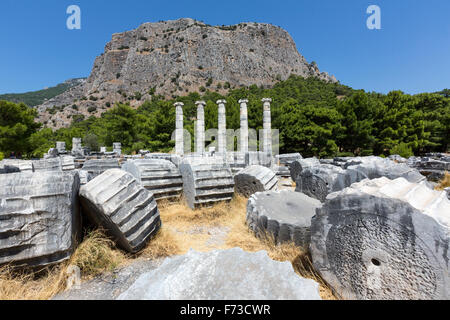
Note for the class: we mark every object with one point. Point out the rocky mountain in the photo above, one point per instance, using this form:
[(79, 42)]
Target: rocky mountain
[(173, 58)]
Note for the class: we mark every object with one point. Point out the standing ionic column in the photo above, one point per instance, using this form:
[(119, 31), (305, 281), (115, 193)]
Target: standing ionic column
[(179, 138), (222, 139), (200, 130), (267, 126), (244, 125)]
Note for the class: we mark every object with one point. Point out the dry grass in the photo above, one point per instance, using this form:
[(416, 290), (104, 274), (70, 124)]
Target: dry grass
[(445, 182), (179, 221), (164, 244), (95, 255), (182, 229)]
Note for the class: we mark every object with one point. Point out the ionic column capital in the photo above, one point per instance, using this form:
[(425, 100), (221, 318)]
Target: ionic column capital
[(200, 103)]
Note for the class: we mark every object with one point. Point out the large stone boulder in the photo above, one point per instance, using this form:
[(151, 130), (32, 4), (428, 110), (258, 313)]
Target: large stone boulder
[(117, 202), (319, 181), (384, 239), (206, 181), (39, 217), (95, 167), (161, 177), (231, 274), (254, 179), (283, 215), (297, 166)]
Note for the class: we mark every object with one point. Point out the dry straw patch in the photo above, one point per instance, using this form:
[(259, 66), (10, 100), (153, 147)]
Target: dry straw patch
[(95, 255), (178, 220), (445, 182)]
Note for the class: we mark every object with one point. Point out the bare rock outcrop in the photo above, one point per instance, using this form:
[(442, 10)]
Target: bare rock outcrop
[(180, 56)]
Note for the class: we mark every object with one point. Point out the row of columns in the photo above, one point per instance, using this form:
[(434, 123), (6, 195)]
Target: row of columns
[(222, 126)]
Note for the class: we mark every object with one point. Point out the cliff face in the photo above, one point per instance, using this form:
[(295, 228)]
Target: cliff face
[(176, 57)]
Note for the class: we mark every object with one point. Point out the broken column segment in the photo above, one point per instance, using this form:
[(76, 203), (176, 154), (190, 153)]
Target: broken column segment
[(179, 128), (200, 129), (255, 179), (283, 215), (77, 149), (267, 127), (40, 217), (117, 148), (231, 274), (222, 130), (16, 165), (161, 177), (377, 167), (117, 202), (61, 147), (244, 125), (67, 163), (95, 167), (319, 181), (297, 166), (50, 164), (282, 163), (206, 181), (384, 239)]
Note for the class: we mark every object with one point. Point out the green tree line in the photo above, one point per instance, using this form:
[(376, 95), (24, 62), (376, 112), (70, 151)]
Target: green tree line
[(315, 118)]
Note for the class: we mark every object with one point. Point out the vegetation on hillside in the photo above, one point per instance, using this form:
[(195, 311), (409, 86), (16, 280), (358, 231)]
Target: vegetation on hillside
[(315, 118), (34, 98)]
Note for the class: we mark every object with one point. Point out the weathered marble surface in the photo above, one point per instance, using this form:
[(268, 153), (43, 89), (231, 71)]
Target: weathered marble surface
[(117, 202), (206, 181), (384, 239), (319, 181), (231, 274), (95, 167), (39, 217), (283, 215), (297, 166), (161, 177), (255, 179)]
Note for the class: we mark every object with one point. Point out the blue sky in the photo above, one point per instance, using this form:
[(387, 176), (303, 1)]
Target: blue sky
[(411, 52)]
